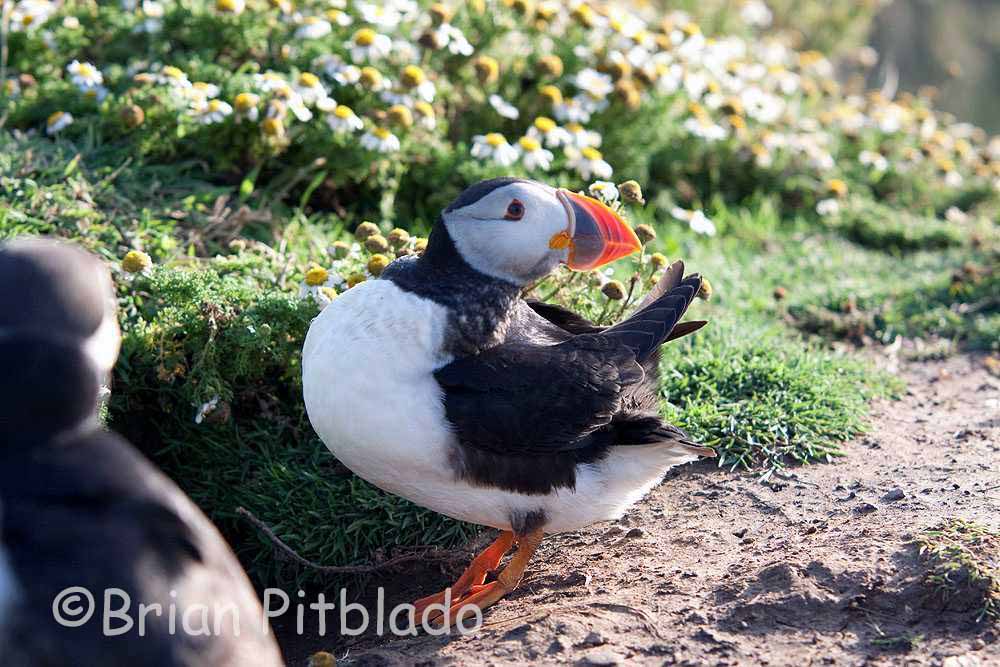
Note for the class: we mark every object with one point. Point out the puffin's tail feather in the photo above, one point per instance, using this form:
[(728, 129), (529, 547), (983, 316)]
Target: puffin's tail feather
[(649, 429), (644, 331)]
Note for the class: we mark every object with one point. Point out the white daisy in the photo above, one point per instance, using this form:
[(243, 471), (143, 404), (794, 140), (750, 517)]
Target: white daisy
[(84, 75), (310, 88), (213, 111), (368, 45), (172, 76), (594, 83), (827, 207), (533, 155), (546, 129), (494, 146), (503, 107), (29, 14), (756, 13), (874, 160), (589, 163), (581, 137), (380, 140), (246, 107), (343, 119), (572, 111), (313, 27), (606, 191), (704, 128), (697, 220), (58, 122)]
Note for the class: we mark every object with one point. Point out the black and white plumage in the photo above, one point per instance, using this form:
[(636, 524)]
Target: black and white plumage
[(81, 507), (439, 383)]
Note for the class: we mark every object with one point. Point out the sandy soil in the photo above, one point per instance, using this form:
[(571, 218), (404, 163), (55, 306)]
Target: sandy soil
[(714, 568)]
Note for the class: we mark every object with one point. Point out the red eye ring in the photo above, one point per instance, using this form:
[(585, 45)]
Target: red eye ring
[(515, 210)]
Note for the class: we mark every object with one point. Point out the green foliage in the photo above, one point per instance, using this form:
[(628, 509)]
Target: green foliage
[(883, 228), (762, 399), (962, 557)]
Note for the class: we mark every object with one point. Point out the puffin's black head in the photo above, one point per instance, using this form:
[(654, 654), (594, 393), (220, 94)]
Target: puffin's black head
[(519, 230), (55, 291)]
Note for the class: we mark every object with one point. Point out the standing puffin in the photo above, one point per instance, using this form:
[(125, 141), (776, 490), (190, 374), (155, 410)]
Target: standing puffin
[(511, 414), (82, 508)]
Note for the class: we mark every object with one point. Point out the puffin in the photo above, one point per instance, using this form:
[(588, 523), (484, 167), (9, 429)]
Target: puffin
[(439, 382), (82, 508)]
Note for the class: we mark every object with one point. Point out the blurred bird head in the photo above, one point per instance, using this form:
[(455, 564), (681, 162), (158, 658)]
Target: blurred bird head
[(59, 336), (519, 230)]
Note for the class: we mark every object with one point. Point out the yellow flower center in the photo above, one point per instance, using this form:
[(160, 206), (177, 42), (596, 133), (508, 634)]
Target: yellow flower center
[(691, 29), (308, 80), (328, 292), (54, 118), (552, 94), (172, 72), (575, 128), (591, 153), (382, 133), (495, 139), (424, 109), (364, 37), (370, 77), (87, 70), (837, 187), (317, 275), (529, 144), (225, 5), (273, 127), (343, 111), (214, 105), (246, 101), (136, 261), (544, 124), (413, 76), (27, 20)]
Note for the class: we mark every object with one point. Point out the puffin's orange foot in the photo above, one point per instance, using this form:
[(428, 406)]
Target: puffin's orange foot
[(480, 596), (474, 575)]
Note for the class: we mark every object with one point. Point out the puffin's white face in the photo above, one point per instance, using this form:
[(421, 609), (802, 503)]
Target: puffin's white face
[(521, 230)]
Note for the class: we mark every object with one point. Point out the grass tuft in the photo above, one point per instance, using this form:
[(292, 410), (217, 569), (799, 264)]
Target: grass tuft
[(763, 399), (964, 566)]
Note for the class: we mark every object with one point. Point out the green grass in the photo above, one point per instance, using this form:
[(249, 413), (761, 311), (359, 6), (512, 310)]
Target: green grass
[(963, 560)]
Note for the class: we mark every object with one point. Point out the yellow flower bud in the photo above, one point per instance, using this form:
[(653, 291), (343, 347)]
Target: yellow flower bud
[(316, 275), (132, 116), (631, 192), (398, 238), (614, 290), (645, 233), (487, 69), (376, 243), (658, 260), (365, 229), (401, 115), (377, 263), (136, 261)]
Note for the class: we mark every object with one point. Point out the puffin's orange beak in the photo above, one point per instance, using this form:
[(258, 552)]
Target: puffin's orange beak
[(595, 235)]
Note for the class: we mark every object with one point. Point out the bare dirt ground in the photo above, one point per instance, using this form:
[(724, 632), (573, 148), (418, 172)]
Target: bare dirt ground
[(714, 568)]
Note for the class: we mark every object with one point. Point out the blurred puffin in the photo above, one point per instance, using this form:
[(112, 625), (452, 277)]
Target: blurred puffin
[(80, 507), (516, 415)]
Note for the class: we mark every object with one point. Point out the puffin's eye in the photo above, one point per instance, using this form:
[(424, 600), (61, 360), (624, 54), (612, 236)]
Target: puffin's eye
[(515, 210)]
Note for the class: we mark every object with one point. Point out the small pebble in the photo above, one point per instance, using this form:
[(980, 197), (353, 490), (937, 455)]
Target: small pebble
[(893, 495)]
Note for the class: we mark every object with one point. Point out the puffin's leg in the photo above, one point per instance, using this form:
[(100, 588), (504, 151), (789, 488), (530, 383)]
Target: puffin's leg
[(474, 575), (483, 596)]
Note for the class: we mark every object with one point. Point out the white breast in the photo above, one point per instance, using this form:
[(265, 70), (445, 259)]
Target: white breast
[(367, 376)]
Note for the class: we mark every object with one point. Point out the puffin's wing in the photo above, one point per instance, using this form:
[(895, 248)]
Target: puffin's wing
[(519, 398)]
